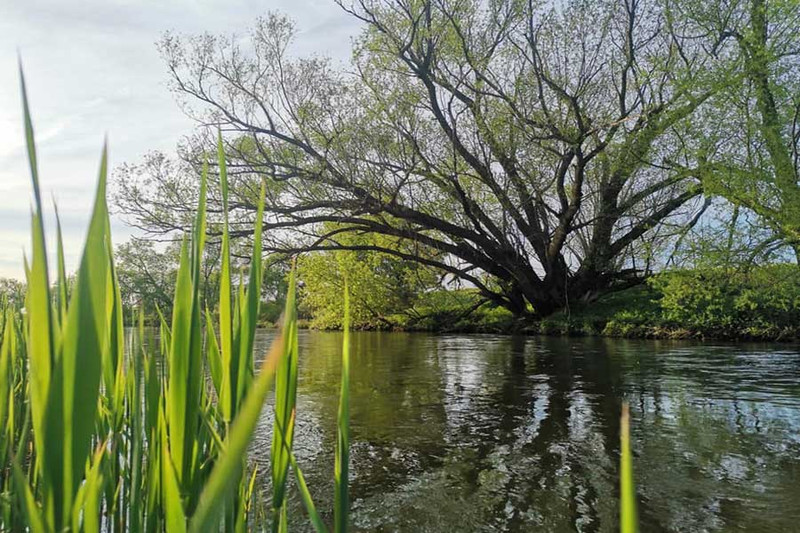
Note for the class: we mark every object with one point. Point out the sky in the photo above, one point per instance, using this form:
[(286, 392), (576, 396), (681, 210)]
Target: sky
[(92, 69)]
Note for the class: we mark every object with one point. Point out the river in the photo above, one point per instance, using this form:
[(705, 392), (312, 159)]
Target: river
[(498, 433)]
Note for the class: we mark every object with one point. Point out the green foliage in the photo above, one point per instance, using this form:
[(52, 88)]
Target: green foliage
[(755, 303), (455, 310), (380, 284), (757, 109), (66, 350), (762, 302), (342, 459), (12, 291), (285, 403)]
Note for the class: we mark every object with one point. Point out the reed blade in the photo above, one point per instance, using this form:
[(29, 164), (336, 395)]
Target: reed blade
[(628, 519), (79, 367), (285, 401), (226, 348), (40, 341), (342, 460)]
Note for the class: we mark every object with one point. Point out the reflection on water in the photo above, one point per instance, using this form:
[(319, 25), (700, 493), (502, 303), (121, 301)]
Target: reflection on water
[(492, 433)]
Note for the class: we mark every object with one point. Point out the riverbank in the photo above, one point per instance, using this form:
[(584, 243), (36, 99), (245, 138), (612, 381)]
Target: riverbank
[(758, 304)]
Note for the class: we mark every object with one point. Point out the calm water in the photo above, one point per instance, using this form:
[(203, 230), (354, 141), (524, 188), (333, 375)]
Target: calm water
[(494, 433)]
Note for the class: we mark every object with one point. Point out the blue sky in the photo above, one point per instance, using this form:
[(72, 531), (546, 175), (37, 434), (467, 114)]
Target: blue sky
[(92, 69)]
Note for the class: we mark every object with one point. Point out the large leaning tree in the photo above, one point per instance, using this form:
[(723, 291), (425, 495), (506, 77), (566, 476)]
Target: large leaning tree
[(542, 153)]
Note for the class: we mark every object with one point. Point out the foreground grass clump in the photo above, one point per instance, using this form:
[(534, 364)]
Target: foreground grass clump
[(97, 440)]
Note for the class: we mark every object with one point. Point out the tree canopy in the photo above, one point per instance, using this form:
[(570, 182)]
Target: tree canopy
[(750, 156), (544, 153)]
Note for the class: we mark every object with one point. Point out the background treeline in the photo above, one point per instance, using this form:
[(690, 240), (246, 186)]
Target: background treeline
[(725, 302)]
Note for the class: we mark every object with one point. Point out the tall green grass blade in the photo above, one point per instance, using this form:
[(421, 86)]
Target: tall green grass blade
[(305, 494), (248, 495), (342, 460), (225, 296), (215, 365), (91, 506), (628, 520), (29, 141), (114, 351), (308, 501), (46, 387), (84, 340), (165, 332), (249, 309), (227, 470), (157, 450), (40, 342), (7, 351), (136, 428), (179, 361), (285, 400), (185, 359), (173, 507), (61, 288), (33, 515), (86, 510)]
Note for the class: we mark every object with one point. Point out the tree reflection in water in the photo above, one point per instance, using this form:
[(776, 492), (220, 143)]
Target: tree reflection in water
[(492, 433)]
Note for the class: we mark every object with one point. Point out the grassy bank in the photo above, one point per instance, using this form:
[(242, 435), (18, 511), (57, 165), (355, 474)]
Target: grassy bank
[(761, 303)]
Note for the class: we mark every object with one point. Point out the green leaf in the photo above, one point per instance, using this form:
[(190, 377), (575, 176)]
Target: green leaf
[(33, 514), (285, 400), (342, 459), (62, 287), (87, 500), (308, 501), (179, 362), (40, 342), (84, 341), (249, 311), (628, 519), (7, 350), (173, 508), (185, 355), (226, 393), (213, 355)]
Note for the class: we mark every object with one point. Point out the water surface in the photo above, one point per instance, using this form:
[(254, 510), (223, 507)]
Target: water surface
[(498, 433)]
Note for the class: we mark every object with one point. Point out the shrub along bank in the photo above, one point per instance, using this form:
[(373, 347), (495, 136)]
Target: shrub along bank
[(760, 303)]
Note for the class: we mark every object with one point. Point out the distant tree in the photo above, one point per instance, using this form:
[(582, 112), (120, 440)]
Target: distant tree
[(541, 152), (380, 284), (146, 275), (274, 287), (12, 291)]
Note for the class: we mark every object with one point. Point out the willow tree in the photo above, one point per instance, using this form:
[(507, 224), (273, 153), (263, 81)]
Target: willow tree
[(537, 152)]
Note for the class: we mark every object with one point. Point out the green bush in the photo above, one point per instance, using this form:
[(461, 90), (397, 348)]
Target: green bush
[(763, 302)]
